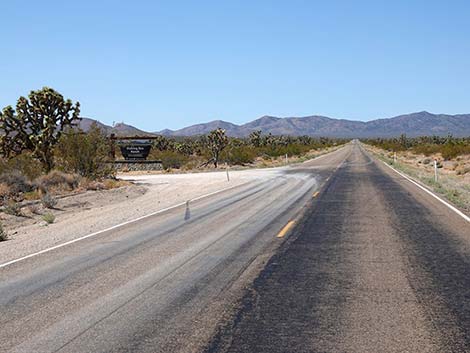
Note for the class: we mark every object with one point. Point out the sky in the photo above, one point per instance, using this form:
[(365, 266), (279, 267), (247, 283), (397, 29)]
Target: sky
[(169, 64)]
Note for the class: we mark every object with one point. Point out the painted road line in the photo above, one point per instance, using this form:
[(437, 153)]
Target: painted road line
[(315, 194), (286, 228), (115, 226), (460, 213)]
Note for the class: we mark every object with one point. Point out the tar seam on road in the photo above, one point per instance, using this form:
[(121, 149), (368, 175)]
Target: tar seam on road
[(114, 227), (286, 228), (460, 213)]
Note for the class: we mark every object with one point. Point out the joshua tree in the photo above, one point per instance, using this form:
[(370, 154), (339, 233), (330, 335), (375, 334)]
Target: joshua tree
[(37, 124), (255, 138), (217, 141)]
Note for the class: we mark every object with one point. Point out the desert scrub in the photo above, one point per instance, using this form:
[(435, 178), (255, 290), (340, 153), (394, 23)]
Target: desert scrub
[(84, 153), (16, 182), (12, 208), (48, 217), (48, 201), (3, 233), (57, 181)]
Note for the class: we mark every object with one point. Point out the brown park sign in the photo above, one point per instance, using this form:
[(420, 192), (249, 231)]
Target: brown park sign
[(135, 151)]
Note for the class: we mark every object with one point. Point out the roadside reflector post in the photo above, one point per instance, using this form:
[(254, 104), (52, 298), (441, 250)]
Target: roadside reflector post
[(228, 177), (394, 157), (435, 170), (287, 162)]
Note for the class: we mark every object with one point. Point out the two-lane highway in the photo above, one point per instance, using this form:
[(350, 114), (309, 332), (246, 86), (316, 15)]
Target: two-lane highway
[(339, 254), (376, 265), (157, 285)]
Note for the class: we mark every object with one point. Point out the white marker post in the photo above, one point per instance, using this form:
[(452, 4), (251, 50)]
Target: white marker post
[(435, 171), (228, 177), (394, 157), (287, 162)]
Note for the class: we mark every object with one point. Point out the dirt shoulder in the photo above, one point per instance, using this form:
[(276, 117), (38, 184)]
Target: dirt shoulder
[(77, 215), (453, 175), (92, 211)]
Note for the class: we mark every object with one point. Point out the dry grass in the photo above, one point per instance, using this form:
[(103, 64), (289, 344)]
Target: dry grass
[(15, 183), (5, 190), (106, 184), (57, 181)]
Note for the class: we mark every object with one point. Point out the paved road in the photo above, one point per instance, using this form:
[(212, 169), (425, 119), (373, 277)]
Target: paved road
[(159, 285), (376, 265)]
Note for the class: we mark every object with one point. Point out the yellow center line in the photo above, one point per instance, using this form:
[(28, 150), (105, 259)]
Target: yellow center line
[(315, 194), (286, 228)]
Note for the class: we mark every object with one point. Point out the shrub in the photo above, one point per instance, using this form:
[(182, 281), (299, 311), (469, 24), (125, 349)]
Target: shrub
[(48, 217), (16, 182), (239, 155), (32, 195), (48, 201), (84, 153), (172, 159), (57, 180), (24, 164), (3, 233), (93, 185), (12, 208)]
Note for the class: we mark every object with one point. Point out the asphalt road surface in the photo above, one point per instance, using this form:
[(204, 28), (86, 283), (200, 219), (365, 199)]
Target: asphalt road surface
[(372, 264), (376, 265)]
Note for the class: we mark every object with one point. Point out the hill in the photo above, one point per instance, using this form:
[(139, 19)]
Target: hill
[(415, 124)]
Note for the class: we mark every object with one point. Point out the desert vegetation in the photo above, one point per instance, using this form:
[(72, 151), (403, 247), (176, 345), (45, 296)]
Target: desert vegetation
[(189, 153), (416, 156), (43, 154), (447, 147)]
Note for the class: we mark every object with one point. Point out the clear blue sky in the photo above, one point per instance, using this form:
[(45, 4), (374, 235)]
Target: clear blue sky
[(168, 64)]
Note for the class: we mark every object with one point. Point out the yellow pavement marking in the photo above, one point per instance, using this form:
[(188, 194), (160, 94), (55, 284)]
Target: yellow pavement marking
[(315, 194), (286, 228)]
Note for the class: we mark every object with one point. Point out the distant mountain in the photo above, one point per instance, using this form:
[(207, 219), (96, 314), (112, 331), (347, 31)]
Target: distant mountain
[(415, 124), (119, 129)]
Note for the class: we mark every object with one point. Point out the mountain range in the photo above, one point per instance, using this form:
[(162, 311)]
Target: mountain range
[(415, 124)]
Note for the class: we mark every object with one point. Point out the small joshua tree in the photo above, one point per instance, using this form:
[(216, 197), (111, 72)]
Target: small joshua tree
[(217, 141)]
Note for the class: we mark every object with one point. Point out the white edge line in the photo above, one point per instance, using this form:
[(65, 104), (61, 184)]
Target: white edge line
[(460, 213), (115, 226)]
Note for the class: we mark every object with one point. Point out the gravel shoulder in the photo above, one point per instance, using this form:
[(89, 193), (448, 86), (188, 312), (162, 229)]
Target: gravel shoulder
[(92, 211)]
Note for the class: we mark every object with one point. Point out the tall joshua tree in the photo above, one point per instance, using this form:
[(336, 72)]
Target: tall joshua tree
[(37, 124)]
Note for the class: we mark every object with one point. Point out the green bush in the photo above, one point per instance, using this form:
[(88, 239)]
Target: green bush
[(49, 218), (84, 153), (239, 155), (171, 159), (24, 164)]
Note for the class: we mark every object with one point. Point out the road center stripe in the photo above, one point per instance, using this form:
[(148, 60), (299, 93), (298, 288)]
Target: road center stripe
[(286, 228)]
